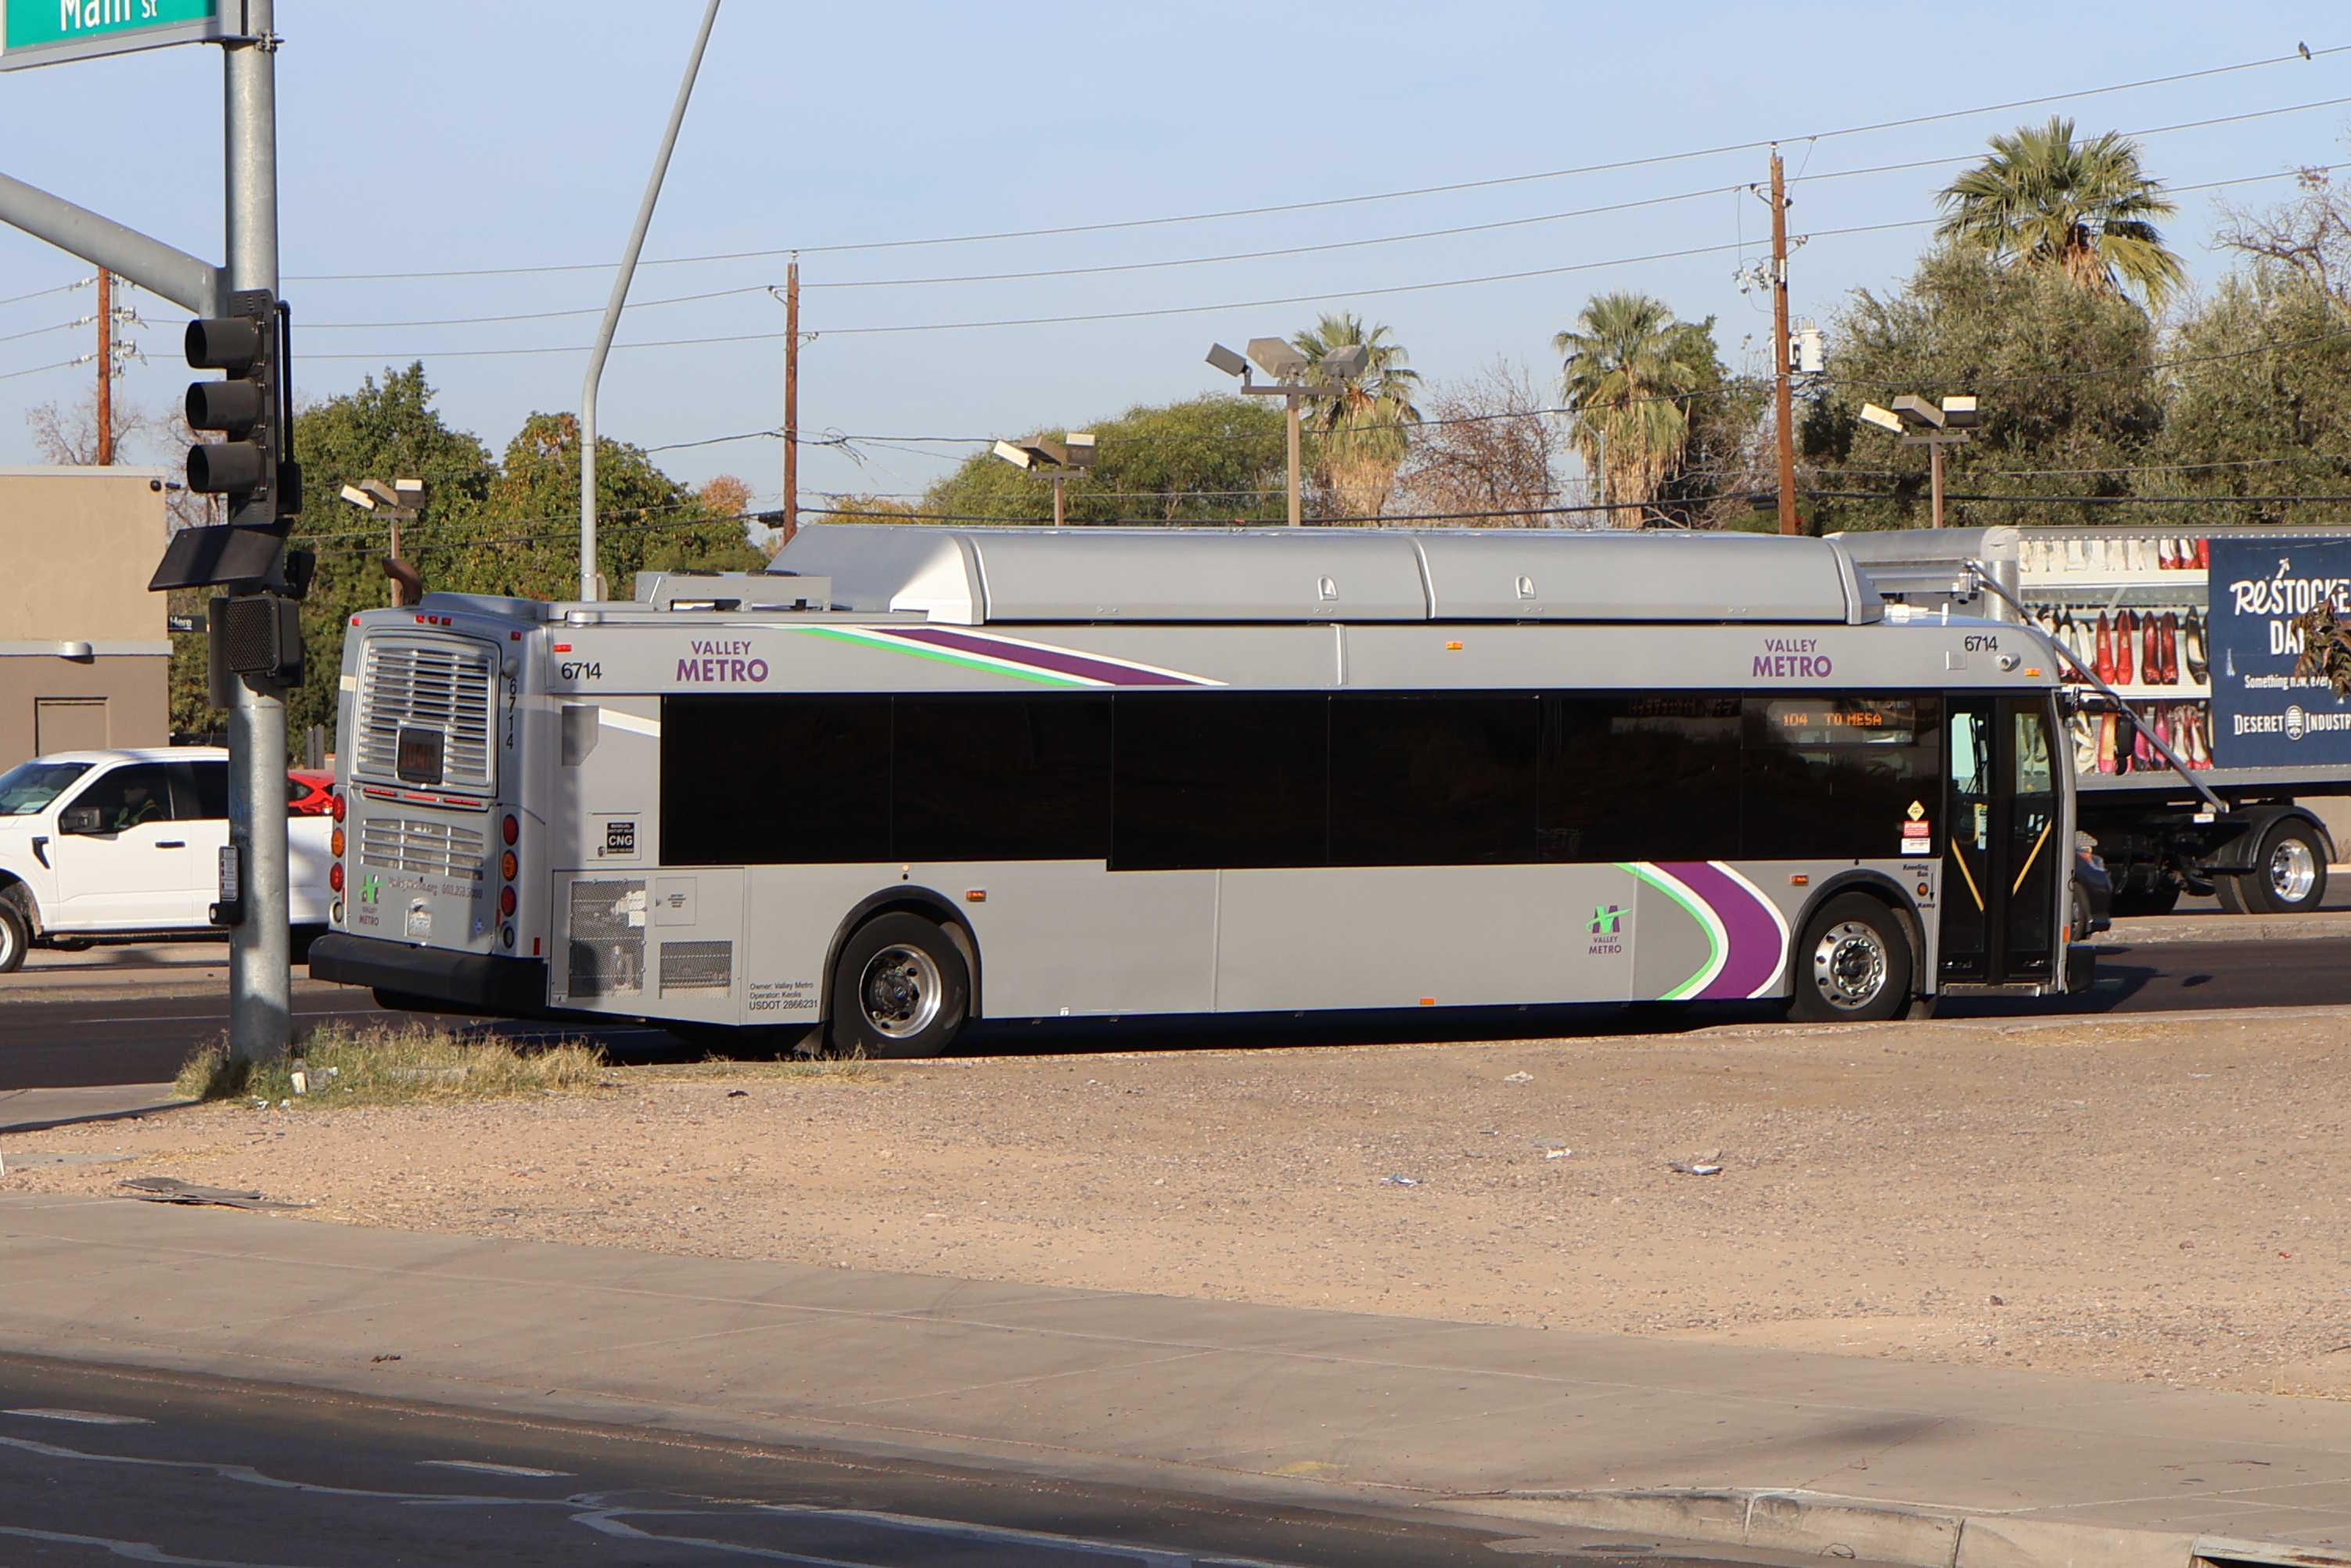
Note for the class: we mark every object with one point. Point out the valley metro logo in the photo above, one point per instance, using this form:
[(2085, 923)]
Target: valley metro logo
[(1606, 919)]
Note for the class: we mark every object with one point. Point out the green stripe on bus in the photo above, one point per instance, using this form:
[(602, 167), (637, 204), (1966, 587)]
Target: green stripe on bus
[(1691, 907), (915, 650)]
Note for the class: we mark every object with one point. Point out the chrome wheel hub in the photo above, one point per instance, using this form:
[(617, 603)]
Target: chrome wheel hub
[(2293, 870), (899, 991), (1849, 966)]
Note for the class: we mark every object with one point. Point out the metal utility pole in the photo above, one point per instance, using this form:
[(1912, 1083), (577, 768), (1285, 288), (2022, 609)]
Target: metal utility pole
[(588, 573), (260, 988), (1291, 403), (105, 367), (1783, 396), (791, 399)]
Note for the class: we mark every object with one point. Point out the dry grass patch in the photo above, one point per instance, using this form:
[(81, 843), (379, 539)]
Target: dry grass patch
[(394, 1064)]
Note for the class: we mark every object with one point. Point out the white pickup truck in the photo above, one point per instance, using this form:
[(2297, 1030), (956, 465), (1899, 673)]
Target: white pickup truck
[(114, 846)]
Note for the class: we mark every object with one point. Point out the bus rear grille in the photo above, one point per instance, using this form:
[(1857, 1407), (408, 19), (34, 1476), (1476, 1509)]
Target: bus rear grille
[(431, 849), (607, 938), (697, 966), (444, 685)]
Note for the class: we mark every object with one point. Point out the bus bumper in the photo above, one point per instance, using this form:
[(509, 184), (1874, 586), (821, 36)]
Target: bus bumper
[(465, 982)]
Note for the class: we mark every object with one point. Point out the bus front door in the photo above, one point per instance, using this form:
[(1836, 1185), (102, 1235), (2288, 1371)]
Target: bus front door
[(2005, 869)]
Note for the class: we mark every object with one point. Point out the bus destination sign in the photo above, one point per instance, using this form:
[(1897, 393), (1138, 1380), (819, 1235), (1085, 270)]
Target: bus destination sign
[(44, 32)]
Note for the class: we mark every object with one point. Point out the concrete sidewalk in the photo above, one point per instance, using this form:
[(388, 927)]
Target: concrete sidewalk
[(1941, 1466)]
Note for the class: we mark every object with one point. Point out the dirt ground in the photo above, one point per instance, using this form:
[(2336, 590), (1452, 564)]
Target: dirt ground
[(2167, 1200)]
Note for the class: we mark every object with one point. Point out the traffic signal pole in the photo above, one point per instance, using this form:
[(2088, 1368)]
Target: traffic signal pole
[(260, 988), (260, 985)]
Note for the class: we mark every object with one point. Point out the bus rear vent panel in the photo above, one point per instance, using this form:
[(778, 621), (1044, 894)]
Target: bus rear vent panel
[(444, 685), (430, 849), (697, 966), (607, 938)]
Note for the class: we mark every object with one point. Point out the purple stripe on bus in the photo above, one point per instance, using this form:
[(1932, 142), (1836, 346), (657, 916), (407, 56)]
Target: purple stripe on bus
[(1060, 661), (1748, 930)]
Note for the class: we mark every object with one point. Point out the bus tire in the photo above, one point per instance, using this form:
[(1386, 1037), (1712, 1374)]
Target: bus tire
[(900, 989), (15, 937), (2289, 874), (1853, 964)]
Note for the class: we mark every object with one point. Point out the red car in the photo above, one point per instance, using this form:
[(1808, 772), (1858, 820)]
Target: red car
[(309, 794)]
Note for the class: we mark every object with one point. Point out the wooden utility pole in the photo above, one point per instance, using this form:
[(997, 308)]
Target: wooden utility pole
[(1783, 395), (791, 401), (105, 367)]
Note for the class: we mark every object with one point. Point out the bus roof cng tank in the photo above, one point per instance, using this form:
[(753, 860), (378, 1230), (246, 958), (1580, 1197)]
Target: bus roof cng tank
[(975, 576)]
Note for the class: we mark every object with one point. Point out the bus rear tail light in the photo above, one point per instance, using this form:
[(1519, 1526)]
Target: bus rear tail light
[(510, 830), (508, 865), (335, 843), (507, 901), (335, 807), (334, 877)]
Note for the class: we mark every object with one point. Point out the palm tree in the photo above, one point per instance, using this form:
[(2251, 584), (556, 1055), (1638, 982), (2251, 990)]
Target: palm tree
[(2084, 207), (1627, 373), (1364, 421)]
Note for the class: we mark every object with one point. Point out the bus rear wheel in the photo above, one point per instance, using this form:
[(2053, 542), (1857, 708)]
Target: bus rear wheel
[(1853, 964), (900, 989)]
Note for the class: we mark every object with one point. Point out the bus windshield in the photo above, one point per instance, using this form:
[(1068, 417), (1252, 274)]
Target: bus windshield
[(29, 787)]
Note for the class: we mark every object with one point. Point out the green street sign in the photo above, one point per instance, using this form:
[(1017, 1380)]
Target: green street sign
[(43, 31)]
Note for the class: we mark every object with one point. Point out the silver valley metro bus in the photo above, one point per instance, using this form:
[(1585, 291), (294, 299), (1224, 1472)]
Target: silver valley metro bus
[(915, 776)]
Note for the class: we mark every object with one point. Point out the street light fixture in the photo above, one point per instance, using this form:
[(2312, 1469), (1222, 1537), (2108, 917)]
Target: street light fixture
[(1280, 360), (1074, 453), (1933, 425), (397, 503)]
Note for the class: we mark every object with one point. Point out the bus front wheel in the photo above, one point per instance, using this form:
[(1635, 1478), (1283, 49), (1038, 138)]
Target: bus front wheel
[(900, 989), (1853, 964)]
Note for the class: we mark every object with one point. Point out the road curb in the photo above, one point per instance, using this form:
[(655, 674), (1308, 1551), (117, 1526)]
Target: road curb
[(1909, 1534), (2143, 930)]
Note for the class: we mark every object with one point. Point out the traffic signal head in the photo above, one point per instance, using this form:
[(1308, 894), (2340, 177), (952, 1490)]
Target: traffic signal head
[(250, 406)]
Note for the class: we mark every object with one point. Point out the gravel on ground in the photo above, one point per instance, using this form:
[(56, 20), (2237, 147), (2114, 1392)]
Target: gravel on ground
[(2157, 1199)]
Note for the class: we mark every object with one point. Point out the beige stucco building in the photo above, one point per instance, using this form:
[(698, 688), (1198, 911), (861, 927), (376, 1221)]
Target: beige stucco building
[(85, 655)]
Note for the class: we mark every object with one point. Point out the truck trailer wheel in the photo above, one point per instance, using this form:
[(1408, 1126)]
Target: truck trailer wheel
[(13, 937), (2289, 874), (900, 989), (1853, 964)]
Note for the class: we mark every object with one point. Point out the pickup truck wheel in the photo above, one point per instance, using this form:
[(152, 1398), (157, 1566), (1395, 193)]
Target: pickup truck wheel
[(13, 937)]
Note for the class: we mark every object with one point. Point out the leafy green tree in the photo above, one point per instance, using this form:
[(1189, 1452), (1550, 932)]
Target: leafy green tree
[(525, 538), (385, 430), (1365, 422), (2068, 396), (2084, 208), (2241, 422), (1628, 373), (1217, 458)]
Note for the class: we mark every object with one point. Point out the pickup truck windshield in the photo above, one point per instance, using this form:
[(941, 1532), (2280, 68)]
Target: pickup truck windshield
[(28, 788)]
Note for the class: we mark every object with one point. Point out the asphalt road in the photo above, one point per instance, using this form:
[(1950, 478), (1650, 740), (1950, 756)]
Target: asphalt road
[(100, 1464), (132, 1036)]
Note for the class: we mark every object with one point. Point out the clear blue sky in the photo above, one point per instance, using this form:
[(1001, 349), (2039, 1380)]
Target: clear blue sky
[(424, 136)]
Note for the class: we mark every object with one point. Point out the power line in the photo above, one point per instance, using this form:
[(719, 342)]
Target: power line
[(1329, 201), (53, 327), (44, 293), (1150, 313), (37, 370), (2090, 501), (1280, 252), (1135, 314)]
